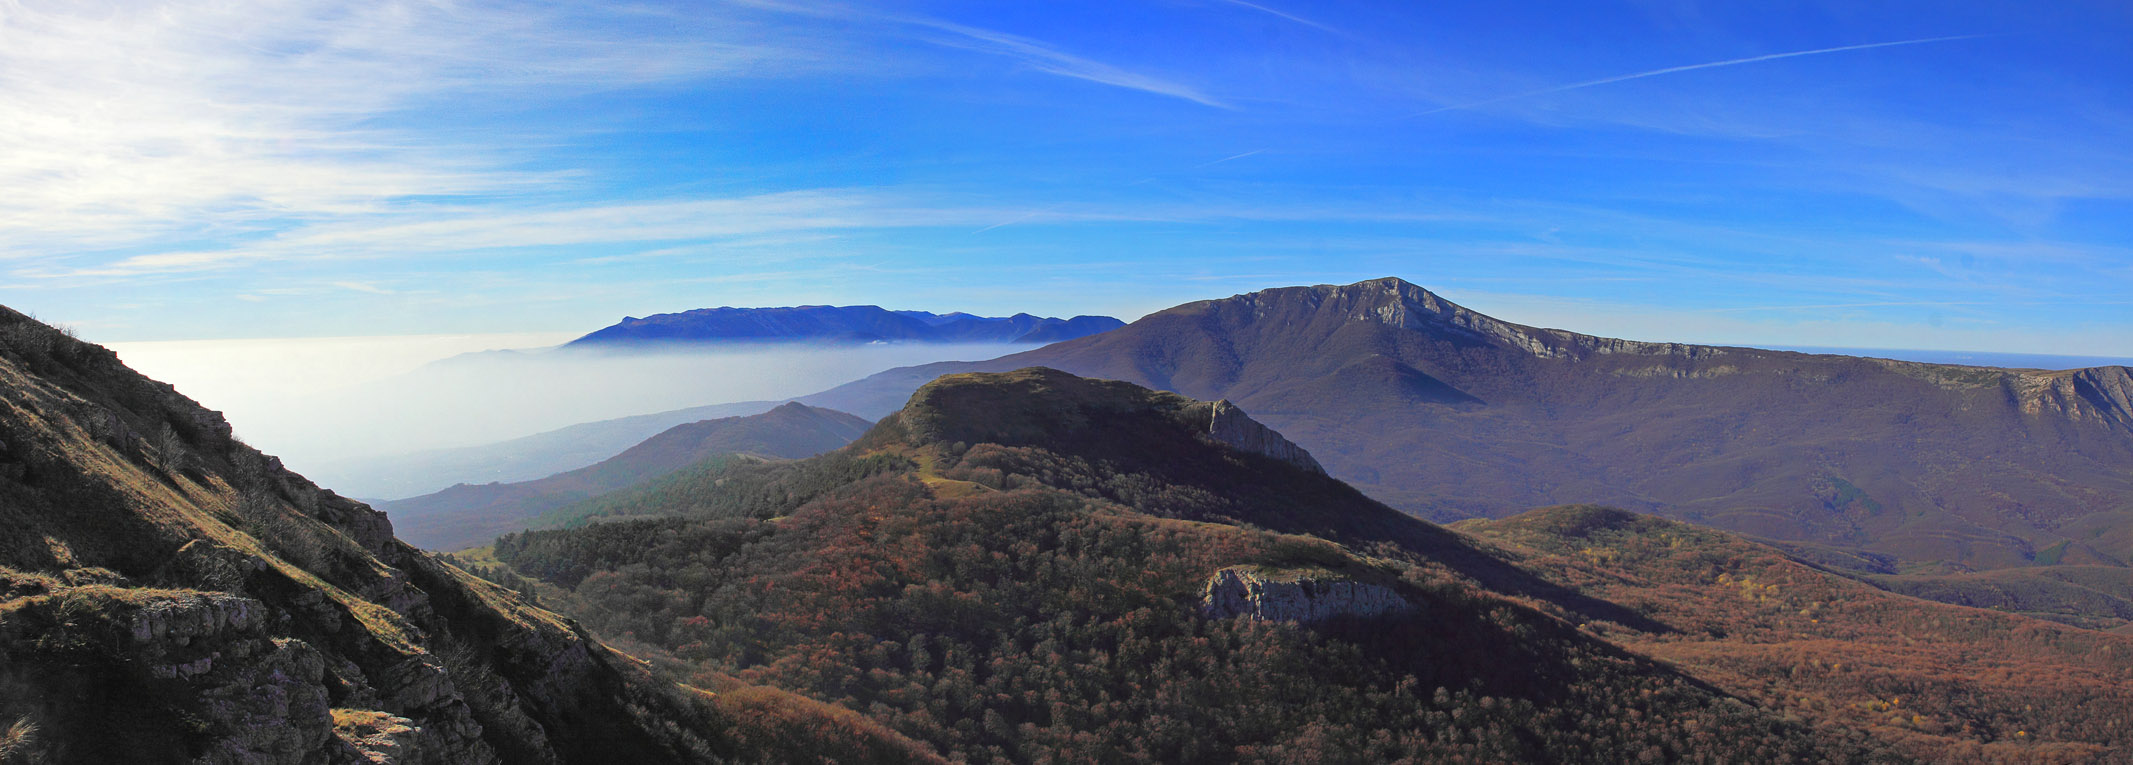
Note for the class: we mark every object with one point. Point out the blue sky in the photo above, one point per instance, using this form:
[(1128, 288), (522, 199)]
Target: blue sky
[(1925, 175)]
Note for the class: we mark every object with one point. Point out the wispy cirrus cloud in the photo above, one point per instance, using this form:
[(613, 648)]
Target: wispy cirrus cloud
[(134, 121), (1690, 68), (673, 225), (474, 229), (1283, 15), (1051, 60), (1035, 54)]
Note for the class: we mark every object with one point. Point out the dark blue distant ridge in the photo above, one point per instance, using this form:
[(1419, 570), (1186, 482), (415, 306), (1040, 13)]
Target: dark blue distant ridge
[(840, 325), (1971, 358)]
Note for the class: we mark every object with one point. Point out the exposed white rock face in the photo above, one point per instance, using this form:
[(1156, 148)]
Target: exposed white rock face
[(2098, 394), (1229, 425), (1240, 592), (1397, 303)]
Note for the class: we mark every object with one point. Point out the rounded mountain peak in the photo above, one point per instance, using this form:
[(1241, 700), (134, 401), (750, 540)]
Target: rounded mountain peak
[(1040, 406)]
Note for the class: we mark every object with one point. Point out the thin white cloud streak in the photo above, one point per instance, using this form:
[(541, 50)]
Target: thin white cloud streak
[(1031, 53), (129, 122), (798, 213), (1018, 218), (365, 287), (1284, 16), (1049, 60), (486, 229), (1230, 158), (1691, 68)]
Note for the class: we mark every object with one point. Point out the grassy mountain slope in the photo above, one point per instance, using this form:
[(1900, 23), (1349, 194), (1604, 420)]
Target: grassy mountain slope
[(168, 594), (468, 515), (1448, 413), (1027, 567)]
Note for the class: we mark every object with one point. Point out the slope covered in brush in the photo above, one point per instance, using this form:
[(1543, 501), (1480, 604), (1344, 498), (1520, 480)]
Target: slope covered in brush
[(168, 594), (1037, 567), (1942, 683), (470, 515)]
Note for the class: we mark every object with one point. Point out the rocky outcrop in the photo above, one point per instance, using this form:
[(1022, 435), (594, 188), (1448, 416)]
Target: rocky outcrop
[(261, 699), (251, 697), (1295, 597), (376, 737), (1228, 425), (2096, 394), (1398, 303)]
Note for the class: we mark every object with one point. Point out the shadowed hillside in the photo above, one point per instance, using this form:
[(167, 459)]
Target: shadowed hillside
[(1448, 413), (168, 594), (467, 515)]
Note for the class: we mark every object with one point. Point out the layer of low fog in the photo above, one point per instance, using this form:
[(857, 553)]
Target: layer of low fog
[(323, 402)]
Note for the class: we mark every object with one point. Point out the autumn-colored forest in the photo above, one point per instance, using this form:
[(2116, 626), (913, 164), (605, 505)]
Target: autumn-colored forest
[(1031, 594)]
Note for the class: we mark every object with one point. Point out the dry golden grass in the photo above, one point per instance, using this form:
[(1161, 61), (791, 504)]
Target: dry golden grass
[(503, 600), (18, 743)]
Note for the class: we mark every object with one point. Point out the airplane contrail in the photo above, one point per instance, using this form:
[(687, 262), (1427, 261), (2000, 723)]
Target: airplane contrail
[(1022, 217), (1287, 16), (1229, 158), (1693, 67)]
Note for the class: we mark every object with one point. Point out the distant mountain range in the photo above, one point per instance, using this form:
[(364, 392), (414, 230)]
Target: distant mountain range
[(1448, 413), (469, 515), (837, 324)]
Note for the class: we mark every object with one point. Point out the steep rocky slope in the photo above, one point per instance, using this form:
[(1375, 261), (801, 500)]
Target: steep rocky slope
[(1449, 413), (168, 594), (470, 515)]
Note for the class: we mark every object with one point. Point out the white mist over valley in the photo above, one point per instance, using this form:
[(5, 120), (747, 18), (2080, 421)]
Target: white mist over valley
[(320, 403)]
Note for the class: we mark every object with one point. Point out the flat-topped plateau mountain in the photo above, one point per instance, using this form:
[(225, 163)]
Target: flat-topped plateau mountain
[(169, 594), (835, 324), (1448, 413), (1036, 567), (471, 515)]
